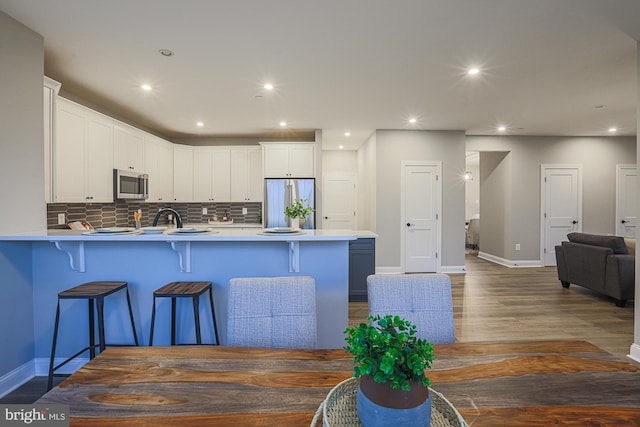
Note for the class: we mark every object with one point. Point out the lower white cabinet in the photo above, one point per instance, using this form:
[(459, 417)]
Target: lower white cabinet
[(83, 155)]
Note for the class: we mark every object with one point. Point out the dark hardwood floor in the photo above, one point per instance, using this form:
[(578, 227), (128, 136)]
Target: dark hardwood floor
[(496, 303)]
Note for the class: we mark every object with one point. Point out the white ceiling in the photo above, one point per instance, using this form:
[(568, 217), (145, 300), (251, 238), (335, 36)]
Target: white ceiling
[(355, 65)]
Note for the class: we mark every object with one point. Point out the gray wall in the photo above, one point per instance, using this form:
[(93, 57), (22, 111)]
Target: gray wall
[(21, 127), (495, 211), (21, 155), (367, 184), (597, 155), (339, 161), (395, 146)]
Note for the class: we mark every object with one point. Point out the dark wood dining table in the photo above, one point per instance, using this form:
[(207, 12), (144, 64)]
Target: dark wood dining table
[(531, 383)]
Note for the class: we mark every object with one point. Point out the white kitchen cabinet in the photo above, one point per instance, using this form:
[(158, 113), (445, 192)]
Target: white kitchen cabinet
[(289, 160), (83, 155), (128, 153), (246, 175), (158, 164), (51, 89), (182, 173), (211, 174)]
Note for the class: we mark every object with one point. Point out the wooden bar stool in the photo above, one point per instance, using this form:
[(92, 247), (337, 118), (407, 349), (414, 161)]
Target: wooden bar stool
[(91, 291), (175, 290)]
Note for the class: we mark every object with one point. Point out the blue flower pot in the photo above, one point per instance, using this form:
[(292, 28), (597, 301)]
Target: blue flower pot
[(373, 415)]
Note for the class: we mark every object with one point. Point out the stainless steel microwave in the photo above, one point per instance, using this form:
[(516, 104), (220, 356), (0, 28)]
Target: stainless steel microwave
[(130, 185)]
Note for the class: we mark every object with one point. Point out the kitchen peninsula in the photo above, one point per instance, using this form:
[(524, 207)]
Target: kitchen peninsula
[(55, 260)]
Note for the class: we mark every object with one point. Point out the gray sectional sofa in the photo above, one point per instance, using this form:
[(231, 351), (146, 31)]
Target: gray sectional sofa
[(600, 263)]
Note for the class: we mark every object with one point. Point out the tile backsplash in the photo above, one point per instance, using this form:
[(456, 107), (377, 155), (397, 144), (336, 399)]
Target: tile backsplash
[(120, 213)]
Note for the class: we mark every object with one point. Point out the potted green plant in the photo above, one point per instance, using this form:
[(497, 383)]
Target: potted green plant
[(390, 362), (298, 210)]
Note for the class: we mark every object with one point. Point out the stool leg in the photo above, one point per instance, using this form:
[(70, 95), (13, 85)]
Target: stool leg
[(53, 348), (213, 315), (100, 302), (92, 334), (196, 315), (153, 321), (133, 325), (173, 321)]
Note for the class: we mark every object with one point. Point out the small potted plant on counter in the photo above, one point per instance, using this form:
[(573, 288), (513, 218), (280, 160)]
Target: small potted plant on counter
[(298, 210), (390, 362)]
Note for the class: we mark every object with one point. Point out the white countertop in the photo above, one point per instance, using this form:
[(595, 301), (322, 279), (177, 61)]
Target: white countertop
[(212, 235)]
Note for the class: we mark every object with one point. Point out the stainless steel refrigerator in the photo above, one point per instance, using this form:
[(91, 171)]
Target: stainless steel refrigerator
[(280, 193)]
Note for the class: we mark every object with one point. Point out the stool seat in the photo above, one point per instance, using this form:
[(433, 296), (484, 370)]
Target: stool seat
[(94, 293), (182, 289), (92, 290), (191, 290)]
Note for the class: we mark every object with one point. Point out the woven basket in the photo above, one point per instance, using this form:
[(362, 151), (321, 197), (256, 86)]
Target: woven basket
[(339, 408)]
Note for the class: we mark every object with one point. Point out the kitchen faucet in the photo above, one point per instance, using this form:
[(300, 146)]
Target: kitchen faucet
[(171, 211)]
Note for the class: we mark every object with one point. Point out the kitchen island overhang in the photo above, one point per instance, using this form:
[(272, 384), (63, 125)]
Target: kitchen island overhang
[(63, 259)]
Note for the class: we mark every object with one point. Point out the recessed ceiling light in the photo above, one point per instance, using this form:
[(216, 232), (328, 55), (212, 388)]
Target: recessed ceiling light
[(413, 120), (473, 71), (613, 129), (166, 52), (200, 124), (146, 87), (341, 146), (347, 134), (268, 86), (283, 124), (502, 128)]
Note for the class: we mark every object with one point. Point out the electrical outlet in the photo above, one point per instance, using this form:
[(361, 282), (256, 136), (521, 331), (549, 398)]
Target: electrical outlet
[(61, 220), (244, 211), (517, 246), (204, 211)]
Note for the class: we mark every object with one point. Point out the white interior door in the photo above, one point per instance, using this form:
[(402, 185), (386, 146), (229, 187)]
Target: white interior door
[(420, 215), (626, 200), (339, 197), (561, 206)]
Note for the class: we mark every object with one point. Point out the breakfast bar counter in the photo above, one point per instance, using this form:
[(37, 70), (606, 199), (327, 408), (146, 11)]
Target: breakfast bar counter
[(57, 260)]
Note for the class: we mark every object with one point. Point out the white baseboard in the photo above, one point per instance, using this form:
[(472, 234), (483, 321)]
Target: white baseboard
[(36, 367), (510, 263), (42, 365), (634, 352), (453, 269), (448, 269), (17, 377)]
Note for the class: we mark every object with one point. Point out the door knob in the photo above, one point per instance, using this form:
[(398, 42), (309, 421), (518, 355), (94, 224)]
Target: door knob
[(623, 221), (408, 224), (574, 222), (326, 217)]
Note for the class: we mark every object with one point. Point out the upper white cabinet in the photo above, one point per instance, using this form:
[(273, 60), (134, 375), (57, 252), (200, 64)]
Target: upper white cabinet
[(182, 173), (246, 174), (211, 174), (128, 153), (289, 160), (51, 89), (83, 155), (158, 164)]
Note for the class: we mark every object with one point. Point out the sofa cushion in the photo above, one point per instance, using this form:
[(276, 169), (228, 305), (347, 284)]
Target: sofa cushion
[(616, 243)]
